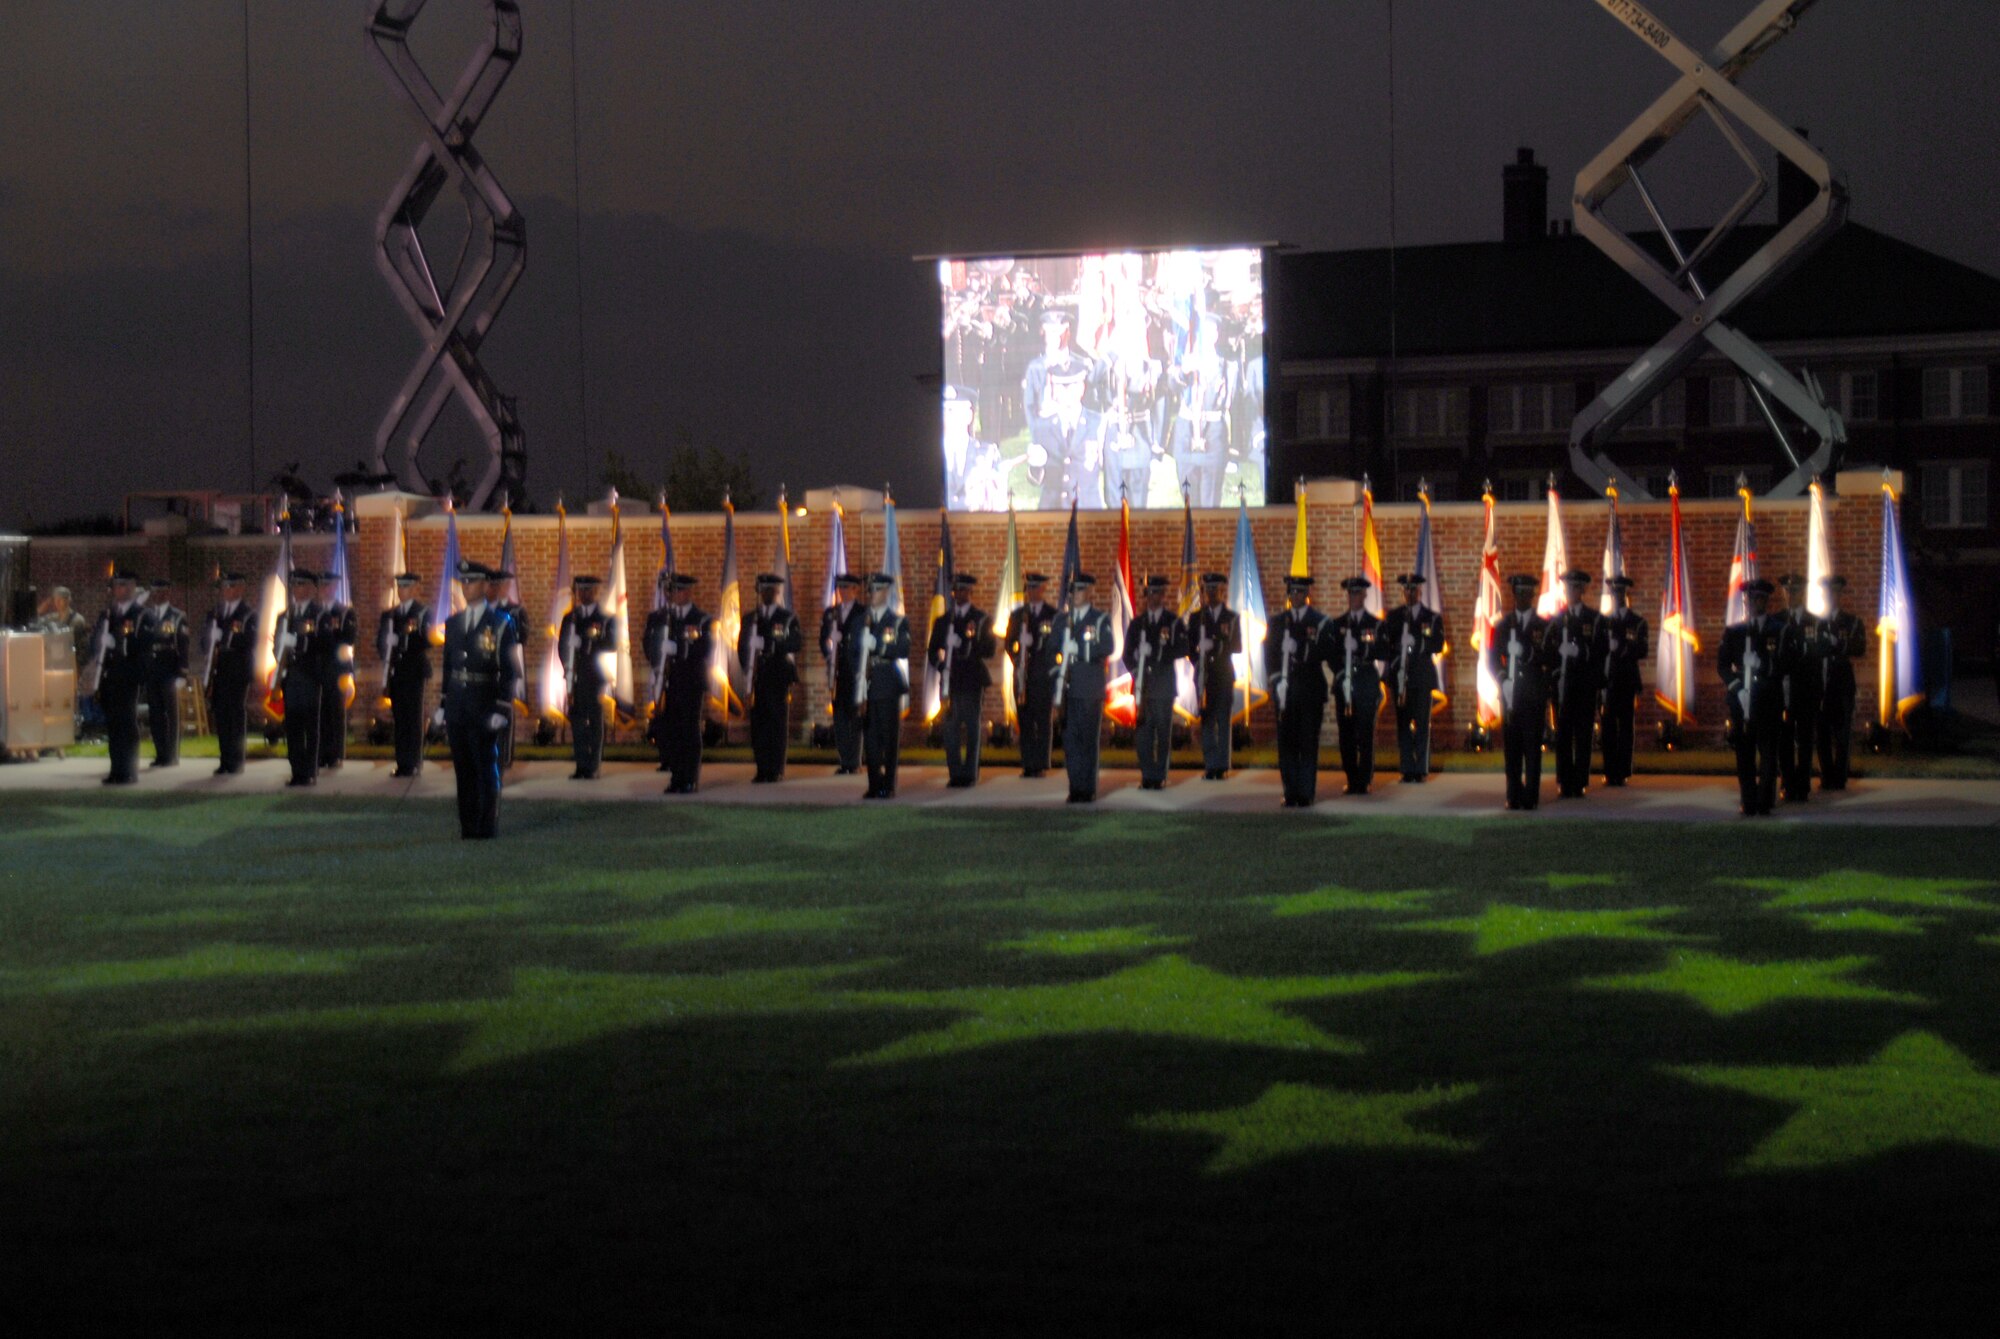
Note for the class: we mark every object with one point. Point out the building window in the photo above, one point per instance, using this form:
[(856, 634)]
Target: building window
[(1729, 404), (1432, 411), (1955, 392), (1324, 414), (1860, 397), (1655, 482), (1526, 409), (1665, 412), (1954, 494), (1520, 487)]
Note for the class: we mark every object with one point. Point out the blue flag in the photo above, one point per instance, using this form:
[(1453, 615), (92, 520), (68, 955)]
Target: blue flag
[(343, 588), (892, 554), (1246, 595), (1902, 685), (1072, 558)]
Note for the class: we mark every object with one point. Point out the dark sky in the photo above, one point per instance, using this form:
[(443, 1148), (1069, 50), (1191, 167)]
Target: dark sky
[(755, 176)]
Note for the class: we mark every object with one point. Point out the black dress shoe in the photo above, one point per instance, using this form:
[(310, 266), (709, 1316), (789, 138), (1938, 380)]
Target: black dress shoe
[(1078, 797), (1614, 784)]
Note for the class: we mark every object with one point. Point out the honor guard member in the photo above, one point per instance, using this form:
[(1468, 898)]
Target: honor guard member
[(1624, 648), (501, 589), (839, 639), (882, 680), (1410, 637), (342, 629), (230, 639), (1842, 637), (1516, 658), (1153, 646), (119, 654), (403, 644), (1357, 683), (1070, 439), (961, 642), (1755, 656), (679, 652), (1214, 634), (767, 649), (483, 671), (1805, 684), (1035, 649), (586, 640), (1087, 640), (1294, 662), (1574, 650), (165, 629), (299, 647)]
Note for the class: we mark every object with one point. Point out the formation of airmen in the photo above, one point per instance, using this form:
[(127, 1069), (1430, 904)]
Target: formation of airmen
[(1564, 680)]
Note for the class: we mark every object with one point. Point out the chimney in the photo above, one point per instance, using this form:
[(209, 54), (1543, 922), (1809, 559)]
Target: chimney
[(1525, 198), (1795, 189)]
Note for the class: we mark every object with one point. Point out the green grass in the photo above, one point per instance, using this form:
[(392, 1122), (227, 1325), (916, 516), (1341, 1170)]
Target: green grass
[(717, 1069)]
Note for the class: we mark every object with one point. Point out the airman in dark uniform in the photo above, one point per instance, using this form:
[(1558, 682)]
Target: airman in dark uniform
[(341, 629), (118, 648), (1410, 637), (1035, 648), (1516, 656), (767, 650), (501, 588), (1842, 637), (1357, 683), (839, 636), (585, 641), (1294, 663), (1214, 635), (1087, 645), (230, 639), (1804, 686), (166, 632), (1153, 646), (483, 675), (1624, 648), (960, 644), (304, 659), (678, 650), (883, 680), (403, 643), (1574, 650), (1755, 656)]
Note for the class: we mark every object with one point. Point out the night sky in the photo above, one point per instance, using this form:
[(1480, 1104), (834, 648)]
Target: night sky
[(755, 177)]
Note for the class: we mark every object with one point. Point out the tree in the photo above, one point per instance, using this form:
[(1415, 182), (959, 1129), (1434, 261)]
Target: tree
[(697, 479)]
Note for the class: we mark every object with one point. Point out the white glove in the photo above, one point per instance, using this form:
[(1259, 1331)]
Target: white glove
[(180, 684), (1617, 642), (437, 718), (1290, 646), (670, 647), (951, 640), (1206, 642), (867, 641), (1571, 649), (393, 642), (497, 721)]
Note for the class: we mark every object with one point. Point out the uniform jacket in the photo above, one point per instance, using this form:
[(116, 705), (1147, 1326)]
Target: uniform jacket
[(344, 627), (229, 636), (1583, 627), (1755, 656), (1032, 627), (166, 633), (479, 660), (312, 644), (1087, 637), (1624, 647), (684, 672), (1515, 652), (1424, 627), (409, 660), (1224, 632), (767, 649), (1349, 650), (888, 655), (119, 645), (581, 638), (1306, 682), (976, 644), (1166, 642), (837, 626), (1842, 637)]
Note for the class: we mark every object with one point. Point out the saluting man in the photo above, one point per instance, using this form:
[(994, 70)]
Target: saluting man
[(767, 649), (483, 673), (1035, 649), (1214, 634), (1154, 644), (679, 654), (1574, 650), (1294, 662), (1842, 637), (839, 630), (1516, 657), (961, 642), (1624, 648), (585, 640), (300, 648), (119, 674), (1086, 636), (403, 644), (1410, 636), (1754, 658), (1357, 683), (1804, 686), (340, 629), (883, 681), (166, 633), (230, 638)]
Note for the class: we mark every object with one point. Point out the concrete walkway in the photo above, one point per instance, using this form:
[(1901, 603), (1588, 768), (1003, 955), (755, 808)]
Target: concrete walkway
[(1450, 795)]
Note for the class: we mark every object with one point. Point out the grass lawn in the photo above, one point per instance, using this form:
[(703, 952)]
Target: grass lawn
[(278, 1063)]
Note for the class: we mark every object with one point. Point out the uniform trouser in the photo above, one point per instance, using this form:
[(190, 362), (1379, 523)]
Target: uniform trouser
[(882, 738), (1037, 725), (1521, 741), (1573, 721), (1413, 732), (163, 718), (1801, 734), (680, 741), (332, 724), (1298, 748), (1154, 736), (120, 701), (302, 718), (961, 737), (1201, 475), (1215, 732), (475, 761), (507, 746), (1836, 737), (1758, 743), (406, 709), (1357, 738), (227, 705), (586, 728), (770, 718), (846, 728), (1620, 706), (1083, 719)]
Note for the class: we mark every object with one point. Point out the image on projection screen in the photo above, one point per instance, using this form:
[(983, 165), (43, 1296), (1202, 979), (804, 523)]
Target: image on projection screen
[(1075, 377)]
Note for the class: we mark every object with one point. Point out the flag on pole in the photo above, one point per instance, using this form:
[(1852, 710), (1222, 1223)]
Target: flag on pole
[(1301, 553), (1118, 701), (1072, 561), (343, 588), (1246, 594), (617, 605), (1674, 671), (553, 687), (1902, 684), (725, 676), (276, 599), (1371, 553), (1187, 695), (1007, 598), (666, 554), (1427, 568), (1819, 553), (1487, 612), (1555, 558), (940, 601), (450, 594), (892, 564), (1614, 552), (836, 555), (1742, 562), (781, 562), (508, 589)]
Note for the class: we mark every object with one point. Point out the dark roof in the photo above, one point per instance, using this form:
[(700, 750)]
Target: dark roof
[(1562, 293)]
